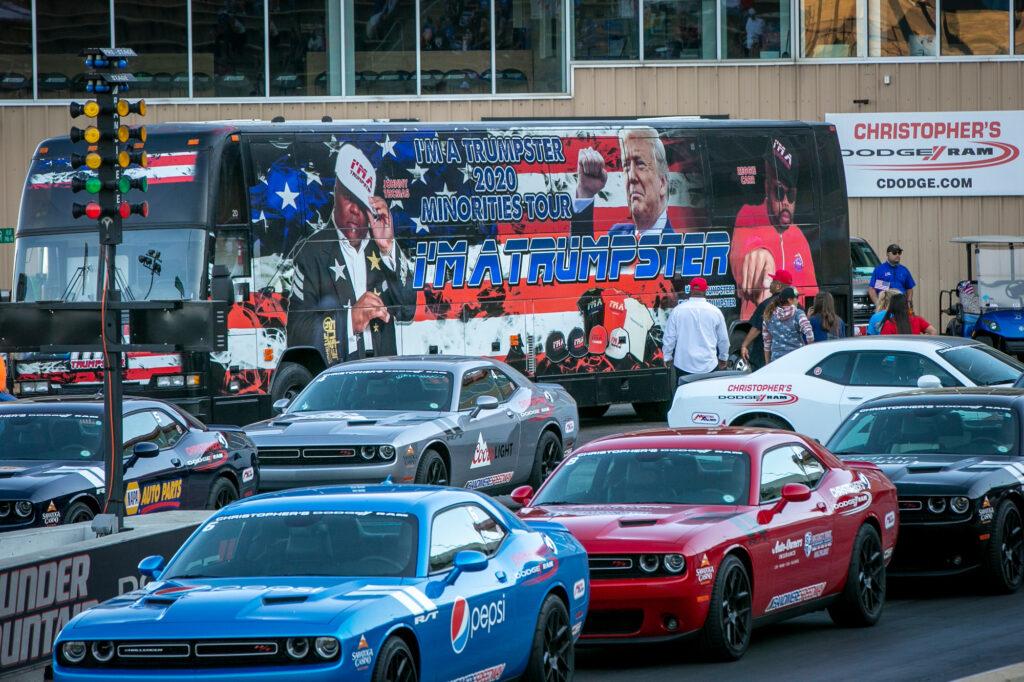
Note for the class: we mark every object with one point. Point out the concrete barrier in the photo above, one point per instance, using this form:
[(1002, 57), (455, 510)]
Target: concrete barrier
[(48, 575)]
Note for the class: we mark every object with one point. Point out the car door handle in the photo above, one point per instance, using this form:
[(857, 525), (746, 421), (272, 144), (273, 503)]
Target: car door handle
[(854, 397), (500, 575), (176, 462), (821, 507), (509, 413)]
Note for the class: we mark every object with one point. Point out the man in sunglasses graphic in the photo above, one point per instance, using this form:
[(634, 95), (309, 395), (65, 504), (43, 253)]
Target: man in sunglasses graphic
[(765, 238)]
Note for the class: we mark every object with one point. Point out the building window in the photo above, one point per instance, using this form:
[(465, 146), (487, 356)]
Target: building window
[(1018, 27), (384, 36), (456, 40), (606, 29), (756, 30), (830, 28), (530, 54), (298, 54), (159, 33), (16, 51), (901, 28), (227, 47), (61, 35), (679, 29), (975, 27)]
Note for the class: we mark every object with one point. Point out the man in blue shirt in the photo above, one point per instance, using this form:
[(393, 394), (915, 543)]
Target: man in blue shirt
[(892, 275)]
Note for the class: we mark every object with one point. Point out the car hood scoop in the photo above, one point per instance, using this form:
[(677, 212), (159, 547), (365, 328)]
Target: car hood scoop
[(376, 423)]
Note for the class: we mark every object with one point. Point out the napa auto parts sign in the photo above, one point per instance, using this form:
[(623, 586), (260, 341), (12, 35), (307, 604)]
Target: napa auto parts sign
[(932, 154)]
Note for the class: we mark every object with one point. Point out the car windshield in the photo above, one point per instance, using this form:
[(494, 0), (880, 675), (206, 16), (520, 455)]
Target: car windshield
[(650, 476), (300, 543), (928, 429), (863, 258), (402, 390), (984, 366), (50, 436), (154, 265)]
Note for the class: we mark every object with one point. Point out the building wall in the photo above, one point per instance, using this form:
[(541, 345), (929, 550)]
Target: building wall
[(923, 226)]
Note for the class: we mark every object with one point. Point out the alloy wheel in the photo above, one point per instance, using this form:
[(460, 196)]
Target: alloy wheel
[(225, 496), (557, 645), (871, 580), (1012, 550), (550, 458), (400, 668), (736, 609), (436, 474)]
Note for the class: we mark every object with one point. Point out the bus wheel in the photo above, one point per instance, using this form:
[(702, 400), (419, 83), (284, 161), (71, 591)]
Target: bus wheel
[(289, 379), (653, 412)]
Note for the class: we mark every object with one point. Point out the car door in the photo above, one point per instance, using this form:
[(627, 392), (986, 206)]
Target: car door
[(476, 627), (491, 438), (800, 534), (157, 483), (874, 373)]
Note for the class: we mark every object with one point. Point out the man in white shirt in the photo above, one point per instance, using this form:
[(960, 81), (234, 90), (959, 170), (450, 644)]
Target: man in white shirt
[(696, 340)]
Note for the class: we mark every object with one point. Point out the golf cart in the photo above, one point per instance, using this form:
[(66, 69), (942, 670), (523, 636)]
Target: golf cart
[(989, 304)]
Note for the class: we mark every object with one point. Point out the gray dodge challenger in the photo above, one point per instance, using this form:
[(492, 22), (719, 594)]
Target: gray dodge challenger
[(444, 420)]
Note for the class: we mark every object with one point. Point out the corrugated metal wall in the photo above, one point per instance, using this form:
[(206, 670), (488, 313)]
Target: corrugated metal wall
[(805, 91)]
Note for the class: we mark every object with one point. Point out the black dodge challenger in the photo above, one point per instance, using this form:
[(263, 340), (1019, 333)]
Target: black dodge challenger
[(52, 470)]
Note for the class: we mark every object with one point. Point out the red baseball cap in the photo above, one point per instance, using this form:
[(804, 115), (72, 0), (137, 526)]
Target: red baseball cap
[(698, 284), (598, 340), (784, 276)]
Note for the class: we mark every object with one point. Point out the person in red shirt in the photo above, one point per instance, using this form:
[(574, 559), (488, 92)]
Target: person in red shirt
[(901, 320), (765, 238)]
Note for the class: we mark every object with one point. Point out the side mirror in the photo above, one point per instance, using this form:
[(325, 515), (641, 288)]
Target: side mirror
[(522, 495), (146, 450), (221, 288), (151, 566), (485, 402), (466, 561), (929, 381), (791, 492), (280, 405)]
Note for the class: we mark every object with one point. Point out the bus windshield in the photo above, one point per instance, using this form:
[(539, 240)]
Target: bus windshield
[(157, 265)]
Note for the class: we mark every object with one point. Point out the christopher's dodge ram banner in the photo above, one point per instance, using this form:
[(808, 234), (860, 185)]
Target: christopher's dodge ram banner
[(967, 153)]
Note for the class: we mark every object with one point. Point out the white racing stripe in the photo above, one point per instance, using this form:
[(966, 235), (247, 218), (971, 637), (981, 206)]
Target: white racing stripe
[(409, 597), (93, 474)]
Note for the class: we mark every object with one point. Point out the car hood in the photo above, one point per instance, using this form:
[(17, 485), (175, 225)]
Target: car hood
[(362, 426), (645, 527), (28, 477), (238, 607), (937, 473)]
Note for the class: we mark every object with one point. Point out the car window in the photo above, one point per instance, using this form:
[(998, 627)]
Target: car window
[(893, 368), (788, 464), (139, 427), (475, 383), (170, 430), (506, 387), (983, 365), (466, 527), (832, 368)]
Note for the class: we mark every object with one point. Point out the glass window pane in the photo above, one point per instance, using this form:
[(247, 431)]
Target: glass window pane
[(456, 41), (971, 27), (901, 28), (298, 55), (61, 35), (384, 35), (607, 29), (679, 29), (529, 46), (158, 32), (756, 30), (227, 39), (16, 52), (1018, 27), (830, 28)]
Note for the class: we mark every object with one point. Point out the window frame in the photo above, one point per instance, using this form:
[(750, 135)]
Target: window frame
[(916, 355), (486, 369), (774, 448), (458, 505), (125, 447), (845, 380)]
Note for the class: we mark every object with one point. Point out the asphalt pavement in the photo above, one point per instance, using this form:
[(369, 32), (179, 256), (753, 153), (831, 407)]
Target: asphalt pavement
[(930, 630)]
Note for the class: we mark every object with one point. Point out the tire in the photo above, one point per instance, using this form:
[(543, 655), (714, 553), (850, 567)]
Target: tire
[(548, 455), (395, 663), (222, 493), (863, 597), (654, 411), (432, 470), (726, 632), (79, 512), (1003, 562), (593, 411), (985, 339), (767, 423), (552, 654), (289, 379)]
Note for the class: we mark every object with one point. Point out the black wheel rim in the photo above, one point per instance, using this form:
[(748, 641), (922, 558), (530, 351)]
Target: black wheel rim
[(1012, 549), (736, 609), (225, 496), (436, 473), (557, 647), (291, 392), (400, 668), (80, 515), (550, 458), (871, 576)]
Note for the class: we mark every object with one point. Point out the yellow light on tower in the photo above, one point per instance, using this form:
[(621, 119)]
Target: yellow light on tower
[(123, 160), (123, 133), (93, 160)]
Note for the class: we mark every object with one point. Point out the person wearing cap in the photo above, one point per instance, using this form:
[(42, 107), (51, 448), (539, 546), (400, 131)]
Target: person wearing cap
[(350, 284), (892, 275), (766, 239), (752, 349), (696, 340), (786, 326)]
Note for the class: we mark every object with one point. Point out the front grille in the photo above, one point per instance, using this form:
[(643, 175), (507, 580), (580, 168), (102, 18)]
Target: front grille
[(319, 455), (613, 622), (199, 654), (276, 454), (911, 505), (613, 567)]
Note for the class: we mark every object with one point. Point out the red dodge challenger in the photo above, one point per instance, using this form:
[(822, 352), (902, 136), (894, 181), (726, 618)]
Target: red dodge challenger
[(718, 530)]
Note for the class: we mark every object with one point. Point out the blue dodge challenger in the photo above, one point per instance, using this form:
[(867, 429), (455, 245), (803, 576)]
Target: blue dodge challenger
[(381, 582)]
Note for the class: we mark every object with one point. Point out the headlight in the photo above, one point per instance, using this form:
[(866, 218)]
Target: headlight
[(649, 563), (102, 651), (74, 652), (674, 563), (936, 505), (298, 647), (992, 325), (387, 451), (170, 381), (960, 505), (367, 452), (23, 508), (5, 510), (326, 647)]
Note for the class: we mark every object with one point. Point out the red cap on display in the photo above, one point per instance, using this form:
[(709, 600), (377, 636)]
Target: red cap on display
[(698, 284), (784, 276), (614, 310), (598, 340)]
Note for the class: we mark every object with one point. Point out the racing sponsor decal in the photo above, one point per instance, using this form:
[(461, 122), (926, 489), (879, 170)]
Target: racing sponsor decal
[(483, 455), (709, 418), (890, 520), (131, 500), (859, 485), (570, 425), (803, 594), (551, 544), (468, 621), (51, 517), (579, 589), (759, 394), (853, 504), (248, 474), (705, 572), (536, 572), (362, 657), (817, 545), (986, 512), (784, 549), (414, 601), (152, 497), (492, 674), (489, 481)]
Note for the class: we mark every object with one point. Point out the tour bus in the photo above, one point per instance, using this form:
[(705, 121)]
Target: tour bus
[(560, 247)]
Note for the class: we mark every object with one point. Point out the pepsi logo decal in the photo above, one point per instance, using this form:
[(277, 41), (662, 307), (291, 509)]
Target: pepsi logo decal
[(460, 624)]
